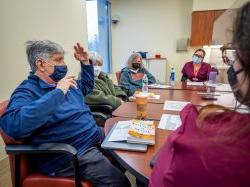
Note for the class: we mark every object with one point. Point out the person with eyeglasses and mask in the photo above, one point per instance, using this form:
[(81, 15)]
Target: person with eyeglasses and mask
[(48, 107), (105, 91), (132, 75), (196, 70), (211, 147)]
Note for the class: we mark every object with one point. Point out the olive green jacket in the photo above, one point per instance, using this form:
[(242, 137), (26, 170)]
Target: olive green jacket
[(105, 92)]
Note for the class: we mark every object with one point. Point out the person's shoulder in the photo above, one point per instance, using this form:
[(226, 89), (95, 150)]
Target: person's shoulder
[(125, 69), (229, 117), (189, 113), (143, 69), (189, 63), (206, 64), (27, 85)]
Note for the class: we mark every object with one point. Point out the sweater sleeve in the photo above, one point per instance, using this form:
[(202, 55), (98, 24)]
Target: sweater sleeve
[(151, 78), (184, 74), (98, 97), (24, 115), (86, 82), (119, 92)]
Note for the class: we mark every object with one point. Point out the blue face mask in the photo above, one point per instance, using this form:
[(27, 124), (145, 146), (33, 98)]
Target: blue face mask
[(196, 59), (59, 73)]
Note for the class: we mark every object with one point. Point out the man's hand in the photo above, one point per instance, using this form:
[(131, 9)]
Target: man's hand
[(65, 83), (81, 55)]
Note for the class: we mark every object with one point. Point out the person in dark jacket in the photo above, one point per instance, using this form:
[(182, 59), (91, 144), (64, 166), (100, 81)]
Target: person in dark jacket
[(131, 76), (49, 107)]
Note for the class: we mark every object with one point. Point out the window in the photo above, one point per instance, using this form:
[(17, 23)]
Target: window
[(99, 35)]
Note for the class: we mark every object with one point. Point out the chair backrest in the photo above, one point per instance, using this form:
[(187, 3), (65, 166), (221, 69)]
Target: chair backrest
[(25, 166), (24, 170), (118, 76), (3, 106)]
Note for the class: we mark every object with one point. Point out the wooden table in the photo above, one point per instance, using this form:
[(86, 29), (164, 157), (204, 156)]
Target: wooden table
[(139, 163), (180, 95), (128, 110), (184, 86), (136, 162)]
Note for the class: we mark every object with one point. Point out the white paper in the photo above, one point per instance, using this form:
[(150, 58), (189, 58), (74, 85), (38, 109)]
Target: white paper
[(195, 83), (210, 93), (175, 105), (120, 133), (161, 86), (155, 97), (223, 87), (169, 122)]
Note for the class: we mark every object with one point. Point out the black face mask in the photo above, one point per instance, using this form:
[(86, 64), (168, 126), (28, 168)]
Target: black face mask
[(232, 79), (136, 65)]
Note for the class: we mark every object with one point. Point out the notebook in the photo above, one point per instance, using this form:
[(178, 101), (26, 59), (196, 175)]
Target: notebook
[(117, 139), (142, 132)]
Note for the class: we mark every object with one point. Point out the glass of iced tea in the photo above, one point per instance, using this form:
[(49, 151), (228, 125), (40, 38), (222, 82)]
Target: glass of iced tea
[(141, 100)]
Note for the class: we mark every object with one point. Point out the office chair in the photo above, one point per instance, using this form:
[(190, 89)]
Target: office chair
[(118, 76), (101, 113), (23, 173)]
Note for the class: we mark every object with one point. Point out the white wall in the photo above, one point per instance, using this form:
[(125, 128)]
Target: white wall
[(62, 21), (153, 26), (212, 4)]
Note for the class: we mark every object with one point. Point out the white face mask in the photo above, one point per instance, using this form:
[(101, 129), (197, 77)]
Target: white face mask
[(97, 70)]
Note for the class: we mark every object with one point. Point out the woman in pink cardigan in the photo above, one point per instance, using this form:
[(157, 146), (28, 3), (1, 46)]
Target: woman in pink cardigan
[(212, 146), (197, 70)]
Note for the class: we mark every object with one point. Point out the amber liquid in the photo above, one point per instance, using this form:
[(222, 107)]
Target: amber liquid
[(141, 103)]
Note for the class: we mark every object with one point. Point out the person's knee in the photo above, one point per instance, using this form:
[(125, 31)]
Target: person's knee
[(123, 181)]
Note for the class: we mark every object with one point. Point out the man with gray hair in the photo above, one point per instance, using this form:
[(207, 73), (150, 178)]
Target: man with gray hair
[(49, 107)]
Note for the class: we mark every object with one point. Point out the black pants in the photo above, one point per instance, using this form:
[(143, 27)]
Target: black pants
[(95, 167)]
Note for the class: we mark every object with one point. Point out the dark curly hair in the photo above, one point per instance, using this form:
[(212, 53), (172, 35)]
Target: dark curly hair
[(241, 41)]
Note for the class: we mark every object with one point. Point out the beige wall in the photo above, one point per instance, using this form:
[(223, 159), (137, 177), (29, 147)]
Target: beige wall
[(155, 26), (212, 4), (63, 21), (150, 26)]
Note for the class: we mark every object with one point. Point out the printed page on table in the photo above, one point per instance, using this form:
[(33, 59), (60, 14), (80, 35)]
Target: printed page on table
[(160, 86), (120, 133), (189, 83), (169, 122), (223, 87), (175, 105)]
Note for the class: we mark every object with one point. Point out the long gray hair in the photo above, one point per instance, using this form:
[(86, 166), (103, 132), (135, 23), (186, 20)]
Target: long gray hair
[(41, 49), (131, 60)]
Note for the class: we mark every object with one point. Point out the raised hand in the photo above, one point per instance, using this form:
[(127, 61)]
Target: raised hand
[(65, 83), (81, 55)]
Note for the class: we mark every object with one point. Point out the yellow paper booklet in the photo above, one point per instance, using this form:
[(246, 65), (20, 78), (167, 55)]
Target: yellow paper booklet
[(141, 132)]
